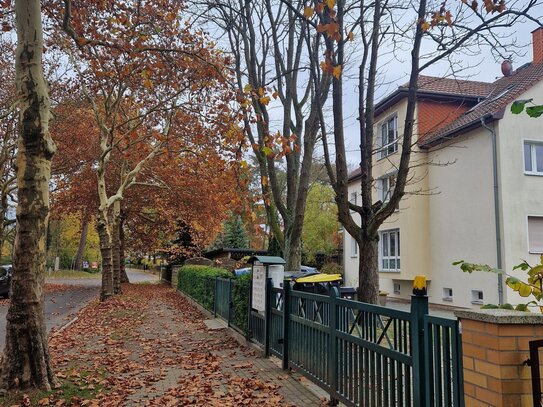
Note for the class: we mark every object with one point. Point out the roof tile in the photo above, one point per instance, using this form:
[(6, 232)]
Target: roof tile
[(502, 92)]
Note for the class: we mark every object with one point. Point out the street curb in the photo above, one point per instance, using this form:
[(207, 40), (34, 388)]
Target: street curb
[(63, 327)]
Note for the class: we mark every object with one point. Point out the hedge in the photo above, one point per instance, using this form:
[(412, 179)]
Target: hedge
[(199, 283), (240, 302)]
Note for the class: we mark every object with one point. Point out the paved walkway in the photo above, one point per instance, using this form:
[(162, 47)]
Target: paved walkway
[(151, 347)]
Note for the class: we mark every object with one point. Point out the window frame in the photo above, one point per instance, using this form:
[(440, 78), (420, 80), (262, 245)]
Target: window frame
[(448, 294), (354, 247), (384, 198), (533, 157), (480, 297), (384, 236), (354, 198), (384, 149)]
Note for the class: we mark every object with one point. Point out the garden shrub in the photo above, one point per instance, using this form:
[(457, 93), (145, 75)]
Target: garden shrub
[(199, 283), (240, 302)]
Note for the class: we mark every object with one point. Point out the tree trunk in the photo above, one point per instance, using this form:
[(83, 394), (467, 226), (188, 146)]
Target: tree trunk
[(124, 276), (116, 247), (368, 275), (25, 361), (105, 251), (293, 252), (82, 243)]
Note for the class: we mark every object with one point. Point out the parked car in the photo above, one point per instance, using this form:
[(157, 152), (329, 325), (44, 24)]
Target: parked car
[(6, 272), (242, 271)]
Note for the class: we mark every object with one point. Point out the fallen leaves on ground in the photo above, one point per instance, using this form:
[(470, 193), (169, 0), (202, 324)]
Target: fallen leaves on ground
[(150, 347)]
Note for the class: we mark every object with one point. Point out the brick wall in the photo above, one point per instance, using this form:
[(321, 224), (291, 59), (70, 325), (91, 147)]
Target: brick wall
[(537, 43), (433, 116), (494, 356)]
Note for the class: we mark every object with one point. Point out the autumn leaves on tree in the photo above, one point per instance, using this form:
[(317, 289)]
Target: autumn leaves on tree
[(146, 138), (148, 82), (152, 119)]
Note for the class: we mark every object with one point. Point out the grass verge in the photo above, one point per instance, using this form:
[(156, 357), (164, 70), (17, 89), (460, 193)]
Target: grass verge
[(69, 274)]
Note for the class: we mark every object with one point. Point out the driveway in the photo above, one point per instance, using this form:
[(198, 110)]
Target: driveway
[(61, 306)]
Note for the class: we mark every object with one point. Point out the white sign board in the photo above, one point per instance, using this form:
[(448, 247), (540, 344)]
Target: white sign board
[(259, 287), (277, 274)]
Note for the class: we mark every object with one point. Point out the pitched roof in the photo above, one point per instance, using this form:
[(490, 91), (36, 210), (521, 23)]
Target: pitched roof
[(452, 86), (502, 92), (354, 174), (449, 89), (495, 98)]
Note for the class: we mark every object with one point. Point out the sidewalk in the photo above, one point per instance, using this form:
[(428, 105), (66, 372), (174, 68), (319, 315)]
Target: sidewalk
[(151, 347)]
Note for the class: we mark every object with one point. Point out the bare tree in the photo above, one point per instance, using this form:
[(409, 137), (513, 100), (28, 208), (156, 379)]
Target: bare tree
[(375, 27), (272, 49)]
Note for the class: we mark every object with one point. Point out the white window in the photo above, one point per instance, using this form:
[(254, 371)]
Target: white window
[(354, 247), (447, 294), (397, 288), (535, 234), (533, 158), (389, 250), (389, 137), (354, 199), (386, 187), (476, 297)]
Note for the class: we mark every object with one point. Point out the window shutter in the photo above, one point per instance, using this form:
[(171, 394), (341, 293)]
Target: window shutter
[(535, 234)]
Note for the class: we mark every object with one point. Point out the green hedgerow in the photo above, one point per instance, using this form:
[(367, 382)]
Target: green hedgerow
[(199, 283)]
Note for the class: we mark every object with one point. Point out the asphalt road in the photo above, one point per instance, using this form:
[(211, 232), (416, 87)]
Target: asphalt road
[(61, 306)]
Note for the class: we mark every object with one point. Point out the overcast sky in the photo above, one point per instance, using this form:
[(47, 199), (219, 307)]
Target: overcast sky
[(393, 70)]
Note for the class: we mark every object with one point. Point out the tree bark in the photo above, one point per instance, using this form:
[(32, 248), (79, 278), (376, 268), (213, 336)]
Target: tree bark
[(293, 252), (25, 361), (82, 243), (116, 252), (105, 251), (368, 276), (124, 276)]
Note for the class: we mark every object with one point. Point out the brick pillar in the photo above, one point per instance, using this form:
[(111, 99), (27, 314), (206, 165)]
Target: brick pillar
[(495, 347)]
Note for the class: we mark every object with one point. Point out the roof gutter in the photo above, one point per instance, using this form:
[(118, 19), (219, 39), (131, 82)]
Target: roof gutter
[(402, 92), (496, 207)]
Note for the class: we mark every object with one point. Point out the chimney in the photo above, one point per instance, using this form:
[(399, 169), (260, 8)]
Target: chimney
[(537, 42)]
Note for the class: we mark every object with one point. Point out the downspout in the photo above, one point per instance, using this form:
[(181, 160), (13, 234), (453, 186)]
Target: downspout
[(496, 208)]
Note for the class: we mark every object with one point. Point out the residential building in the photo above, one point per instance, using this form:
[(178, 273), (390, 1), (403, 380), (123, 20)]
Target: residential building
[(475, 191)]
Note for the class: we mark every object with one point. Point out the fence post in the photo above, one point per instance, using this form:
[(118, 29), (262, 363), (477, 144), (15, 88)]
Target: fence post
[(249, 333), (229, 300), (286, 321), (419, 308), (215, 297), (332, 346), (267, 316)]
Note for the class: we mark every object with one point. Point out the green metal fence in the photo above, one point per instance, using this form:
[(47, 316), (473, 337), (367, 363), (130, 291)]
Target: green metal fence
[(223, 298), (229, 306), (367, 355), (361, 354)]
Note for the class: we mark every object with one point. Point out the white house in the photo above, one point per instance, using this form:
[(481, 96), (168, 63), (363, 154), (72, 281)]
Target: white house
[(476, 190)]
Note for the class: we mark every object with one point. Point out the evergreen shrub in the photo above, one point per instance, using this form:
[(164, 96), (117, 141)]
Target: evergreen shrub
[(199, 283)]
